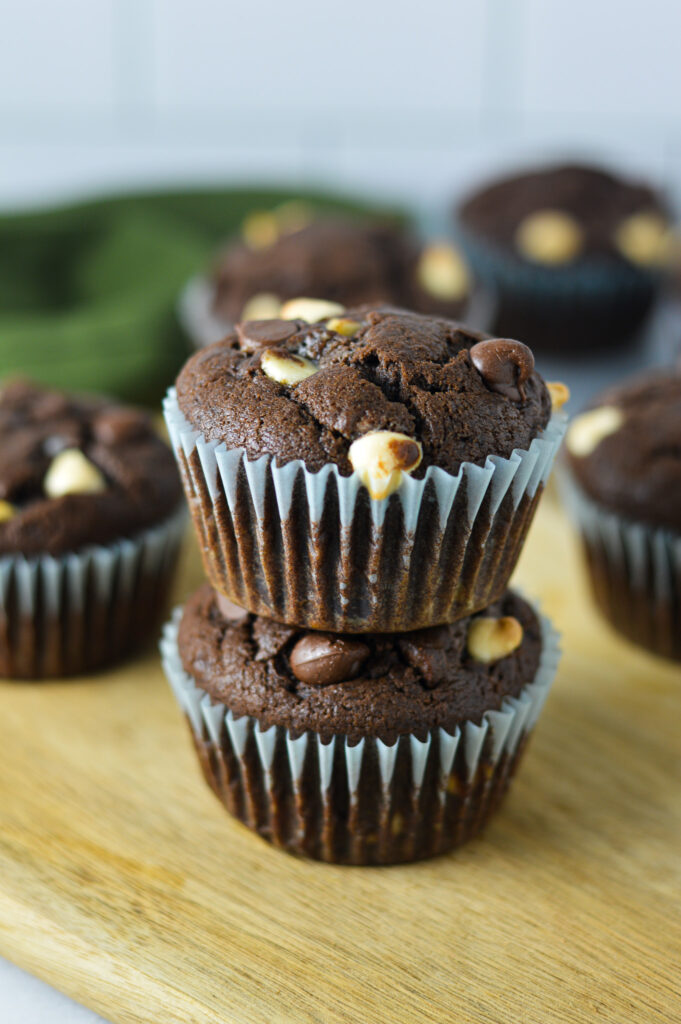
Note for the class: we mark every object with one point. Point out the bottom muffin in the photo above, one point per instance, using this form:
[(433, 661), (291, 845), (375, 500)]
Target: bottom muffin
[(371, 749)]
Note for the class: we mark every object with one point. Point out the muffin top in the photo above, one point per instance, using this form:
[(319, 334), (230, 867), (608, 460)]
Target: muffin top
[(77, 470), (340, 259), (384, 685), (332, 391), (559, 215), (625, 452)]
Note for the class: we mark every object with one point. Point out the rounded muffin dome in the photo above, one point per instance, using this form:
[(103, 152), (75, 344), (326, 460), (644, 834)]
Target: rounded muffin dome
[(298, 390)]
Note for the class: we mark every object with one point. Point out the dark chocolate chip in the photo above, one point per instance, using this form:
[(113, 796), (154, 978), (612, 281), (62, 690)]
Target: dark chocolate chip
[(320, 658), (114, 426), (504, 366), (426, 650), (228, 610), (254, 334)]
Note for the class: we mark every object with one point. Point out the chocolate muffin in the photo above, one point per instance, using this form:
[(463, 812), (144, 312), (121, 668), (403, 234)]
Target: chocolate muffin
[(361, 750), (344, 260), (373, 471), (624, 460), (574, 255), (90, 524)]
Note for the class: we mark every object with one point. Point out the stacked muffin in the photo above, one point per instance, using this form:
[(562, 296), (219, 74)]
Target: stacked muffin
[(358, 679)]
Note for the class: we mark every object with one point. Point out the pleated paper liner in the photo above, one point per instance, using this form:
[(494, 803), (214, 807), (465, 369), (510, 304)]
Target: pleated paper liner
[(63, 616), (313, 549), (634, 570), (367, 803), (195, 312), (591, 304)]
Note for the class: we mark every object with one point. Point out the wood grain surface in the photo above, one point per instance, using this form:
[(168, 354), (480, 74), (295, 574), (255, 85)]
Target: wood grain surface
[(124, 883)]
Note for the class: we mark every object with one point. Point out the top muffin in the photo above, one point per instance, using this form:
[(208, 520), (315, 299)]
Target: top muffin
[(310, 391), (625, 452), (345, 260), (76, 471), (560, 215)]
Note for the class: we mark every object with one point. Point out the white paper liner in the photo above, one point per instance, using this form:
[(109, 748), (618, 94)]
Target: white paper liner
[(195, 313), (638, 580), (471, 523), (498, 737), (58, 595)]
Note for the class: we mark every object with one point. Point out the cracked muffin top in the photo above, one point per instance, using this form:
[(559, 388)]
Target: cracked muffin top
[(384, 685), (331, 257), (78, 470), (377, 389)]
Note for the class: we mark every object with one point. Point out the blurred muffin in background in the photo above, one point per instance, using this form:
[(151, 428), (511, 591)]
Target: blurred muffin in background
[(290, 251), (91, 519), (574, 255), (624, 489)]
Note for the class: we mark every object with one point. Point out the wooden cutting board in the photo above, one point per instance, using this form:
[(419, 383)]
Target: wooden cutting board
[(124, 883)]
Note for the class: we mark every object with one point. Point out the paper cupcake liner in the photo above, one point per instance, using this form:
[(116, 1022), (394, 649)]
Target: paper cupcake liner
[(315, 550), (62, 616), (634, 570), (590, 303), (367, 803), (196, 316)]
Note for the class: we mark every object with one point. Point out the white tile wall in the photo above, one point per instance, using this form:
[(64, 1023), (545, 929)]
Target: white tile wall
[(611, 58), (410, 99), (57, 58), (311, 60)]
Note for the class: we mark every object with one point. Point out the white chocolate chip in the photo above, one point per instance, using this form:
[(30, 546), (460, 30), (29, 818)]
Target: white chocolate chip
[(7, 511), (549, 236), (262, 306), (286, 367), (644, 238), (343, 325), (493, 639), (310, 310), (380, 459), (559, 393), (260, 229), (72, 473), (442, 272), (588, 430)]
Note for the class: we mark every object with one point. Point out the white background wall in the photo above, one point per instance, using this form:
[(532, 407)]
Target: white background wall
[(405, 98)]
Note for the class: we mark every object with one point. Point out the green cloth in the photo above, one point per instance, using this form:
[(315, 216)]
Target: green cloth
[(88, 292)]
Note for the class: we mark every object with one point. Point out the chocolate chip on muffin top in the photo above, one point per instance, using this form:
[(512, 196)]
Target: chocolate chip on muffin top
[(625, 452), (371, 685), (77, 470), (438, 393)]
